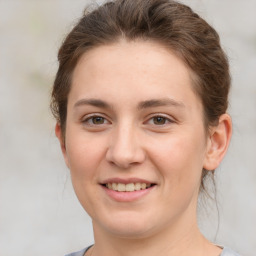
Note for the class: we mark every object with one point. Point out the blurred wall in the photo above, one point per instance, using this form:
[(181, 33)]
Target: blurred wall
[(39, 213)]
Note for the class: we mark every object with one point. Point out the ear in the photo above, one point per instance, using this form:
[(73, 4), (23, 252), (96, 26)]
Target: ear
[(60, 136), (217, 143)]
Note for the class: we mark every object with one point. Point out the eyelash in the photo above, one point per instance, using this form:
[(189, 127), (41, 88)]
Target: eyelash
[(166, 120), (89, 120)]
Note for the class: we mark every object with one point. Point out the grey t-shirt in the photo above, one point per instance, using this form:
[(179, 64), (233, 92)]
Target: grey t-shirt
[(225, 252)]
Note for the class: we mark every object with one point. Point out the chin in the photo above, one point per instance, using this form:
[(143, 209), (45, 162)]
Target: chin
[(130, 231), (128, 225)]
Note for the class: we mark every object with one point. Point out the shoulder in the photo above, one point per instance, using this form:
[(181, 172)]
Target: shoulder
[(79, 253), (228, 252)]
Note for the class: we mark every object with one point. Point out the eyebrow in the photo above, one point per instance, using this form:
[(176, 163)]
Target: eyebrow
[(159, 103), (93, 102), (142, 105)]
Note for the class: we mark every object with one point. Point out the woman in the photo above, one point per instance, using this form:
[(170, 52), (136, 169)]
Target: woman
[(140, 99)]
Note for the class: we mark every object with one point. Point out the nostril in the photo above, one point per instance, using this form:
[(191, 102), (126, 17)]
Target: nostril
[(125, 161), (124, 150)]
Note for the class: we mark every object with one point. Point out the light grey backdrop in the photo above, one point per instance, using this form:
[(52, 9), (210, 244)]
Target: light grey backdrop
[(39, 213)]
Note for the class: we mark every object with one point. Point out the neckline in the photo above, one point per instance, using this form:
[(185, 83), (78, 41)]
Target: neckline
[(224, 249)]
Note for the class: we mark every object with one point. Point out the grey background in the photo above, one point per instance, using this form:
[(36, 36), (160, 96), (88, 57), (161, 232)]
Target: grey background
[(39, 213)]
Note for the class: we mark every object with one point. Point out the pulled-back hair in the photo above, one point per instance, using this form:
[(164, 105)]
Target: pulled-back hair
[(166, 22)]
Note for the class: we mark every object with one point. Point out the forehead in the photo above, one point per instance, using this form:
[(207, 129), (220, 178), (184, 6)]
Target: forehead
[(142, 67), (144, 55)]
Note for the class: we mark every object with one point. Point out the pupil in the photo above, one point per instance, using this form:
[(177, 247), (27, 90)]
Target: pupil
[(98, 120), (159, 120)]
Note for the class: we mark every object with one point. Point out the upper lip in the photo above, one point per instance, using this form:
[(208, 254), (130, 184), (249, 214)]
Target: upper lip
[(126, 181)]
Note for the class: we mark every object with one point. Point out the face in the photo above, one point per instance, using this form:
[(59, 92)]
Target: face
[(135, 139)]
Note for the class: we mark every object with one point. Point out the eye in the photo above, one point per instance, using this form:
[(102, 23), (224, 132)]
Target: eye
[(159, 120), (95, 120)]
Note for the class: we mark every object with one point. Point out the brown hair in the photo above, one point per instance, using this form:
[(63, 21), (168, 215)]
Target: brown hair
[(167, 22)]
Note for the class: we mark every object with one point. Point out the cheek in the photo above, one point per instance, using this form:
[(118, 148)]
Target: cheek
[(179, 159), (84, 154)]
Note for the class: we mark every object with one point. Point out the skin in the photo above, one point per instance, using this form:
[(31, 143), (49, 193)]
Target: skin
[(149, 126)]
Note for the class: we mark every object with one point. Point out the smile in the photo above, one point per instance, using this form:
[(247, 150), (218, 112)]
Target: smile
[(130, 187)]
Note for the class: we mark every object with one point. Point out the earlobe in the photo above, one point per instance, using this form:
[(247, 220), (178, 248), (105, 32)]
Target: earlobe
[(60, 136), (218, 142)]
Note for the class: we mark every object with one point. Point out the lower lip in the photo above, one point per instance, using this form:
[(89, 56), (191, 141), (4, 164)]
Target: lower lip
[(127, 196)]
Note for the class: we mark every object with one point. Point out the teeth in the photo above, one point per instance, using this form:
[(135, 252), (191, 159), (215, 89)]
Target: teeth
[(114, 186), (120, 187), (130, 187), (137, 186), (143, 186)]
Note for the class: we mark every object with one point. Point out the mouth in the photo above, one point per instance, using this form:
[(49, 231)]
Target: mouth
[(127, 190), (130, 187)]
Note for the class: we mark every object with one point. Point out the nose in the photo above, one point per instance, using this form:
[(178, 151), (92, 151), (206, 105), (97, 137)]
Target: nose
[(125, 149)]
